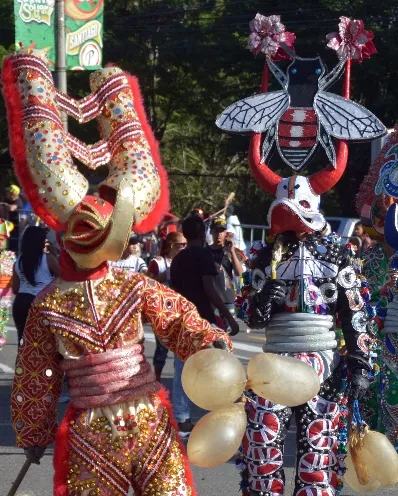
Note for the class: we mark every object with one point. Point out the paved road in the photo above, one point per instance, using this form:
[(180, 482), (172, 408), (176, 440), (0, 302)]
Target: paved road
[(221, 481)]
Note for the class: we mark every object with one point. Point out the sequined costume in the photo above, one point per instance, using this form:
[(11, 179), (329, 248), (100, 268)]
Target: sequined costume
[(320, 283), (375, 204), (300, 281), (388, 423), (375, 265), (118, 430), (7, 260)]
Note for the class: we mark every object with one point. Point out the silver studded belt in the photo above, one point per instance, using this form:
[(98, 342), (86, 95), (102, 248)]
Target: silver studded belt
[(300, 333)]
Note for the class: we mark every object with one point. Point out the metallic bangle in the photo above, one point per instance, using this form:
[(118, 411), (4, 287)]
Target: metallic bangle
[(297, 331), (299, 347)]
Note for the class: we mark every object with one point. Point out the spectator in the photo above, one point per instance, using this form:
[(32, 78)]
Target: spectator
[(192, 275), (159, 269), (7, 259), (10, 211), (359, 232), (200, 213), (227, 262), (52, 243), (356, 242), (233, 224), (33, 271), (131, 258), (193, 272), (150, 245), (170, 223), (230, 236)]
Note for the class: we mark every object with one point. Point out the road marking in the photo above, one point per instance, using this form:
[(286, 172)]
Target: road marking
[(11, 329), (237, 346), (6, 369), (259, 338), (241, 357), (248, 347)]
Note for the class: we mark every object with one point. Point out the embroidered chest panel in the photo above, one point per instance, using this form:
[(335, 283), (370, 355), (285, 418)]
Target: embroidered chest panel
[(94, 315)]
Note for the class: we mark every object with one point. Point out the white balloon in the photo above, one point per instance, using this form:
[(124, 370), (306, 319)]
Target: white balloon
[(380, 458), (280, 379), (217, 436), (213, 379), (351, 478)]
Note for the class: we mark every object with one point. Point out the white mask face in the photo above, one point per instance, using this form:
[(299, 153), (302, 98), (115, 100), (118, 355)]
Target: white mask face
[(296, 195)]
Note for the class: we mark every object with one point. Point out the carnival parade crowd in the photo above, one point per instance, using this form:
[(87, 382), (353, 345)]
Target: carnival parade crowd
[(85, 272)]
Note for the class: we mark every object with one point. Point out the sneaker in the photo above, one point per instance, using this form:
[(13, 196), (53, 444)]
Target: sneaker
[(64, 398), (185, 428)]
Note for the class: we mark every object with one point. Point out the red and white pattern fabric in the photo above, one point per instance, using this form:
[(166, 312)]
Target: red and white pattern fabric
[(273, 487), (322, 433), (316, 467), (271, 460), (264, 439), (320, 406), (316, 491), (298, 123)]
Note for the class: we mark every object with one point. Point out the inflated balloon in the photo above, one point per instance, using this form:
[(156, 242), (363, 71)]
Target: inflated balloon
[(213, 379), (217, 436), (281, 379), (351, 478), (381, 458)]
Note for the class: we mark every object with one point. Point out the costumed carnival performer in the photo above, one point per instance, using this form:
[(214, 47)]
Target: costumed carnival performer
[(118, 430), (7, 259), (301, 280), (376, 203)]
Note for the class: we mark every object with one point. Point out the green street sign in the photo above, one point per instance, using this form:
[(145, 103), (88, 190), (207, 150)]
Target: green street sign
[(84, 34), (35, 26)]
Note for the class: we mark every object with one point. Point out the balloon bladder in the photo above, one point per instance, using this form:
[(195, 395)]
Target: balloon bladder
[(351, 478), (281, 379), (380, 458), (217, 436), (213, 379)]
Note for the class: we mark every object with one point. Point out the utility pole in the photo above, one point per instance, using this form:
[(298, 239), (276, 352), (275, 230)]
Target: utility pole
[(60, 57)]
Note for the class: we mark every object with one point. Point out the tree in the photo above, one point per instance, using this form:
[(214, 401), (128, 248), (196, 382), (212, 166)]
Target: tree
[(191, 62)]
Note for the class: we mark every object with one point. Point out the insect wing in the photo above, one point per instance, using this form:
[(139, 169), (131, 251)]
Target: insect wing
[(256, 113), (345, 119)]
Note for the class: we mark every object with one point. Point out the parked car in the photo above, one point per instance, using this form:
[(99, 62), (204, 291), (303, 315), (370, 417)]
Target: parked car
[(344, 226)]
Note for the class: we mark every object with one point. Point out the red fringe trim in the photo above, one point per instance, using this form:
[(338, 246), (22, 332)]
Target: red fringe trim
[(12, 99), (164, 399), (60, 461), (163, 203)]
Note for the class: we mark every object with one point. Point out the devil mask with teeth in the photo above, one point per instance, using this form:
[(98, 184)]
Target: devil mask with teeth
[(295, 120)]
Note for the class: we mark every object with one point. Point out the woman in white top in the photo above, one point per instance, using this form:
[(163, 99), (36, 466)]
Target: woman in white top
[(159, 269), (33, 271)]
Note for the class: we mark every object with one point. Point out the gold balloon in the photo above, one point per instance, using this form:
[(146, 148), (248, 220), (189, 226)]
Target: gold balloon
[(381, 458), (213, 379), (281, 379), (352, 480), (217, 436)]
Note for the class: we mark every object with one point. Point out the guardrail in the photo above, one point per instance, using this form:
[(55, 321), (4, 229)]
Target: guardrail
[(257, 232)]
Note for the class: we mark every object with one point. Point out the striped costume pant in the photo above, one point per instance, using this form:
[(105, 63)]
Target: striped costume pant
[(111, 449), (263, 444)]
